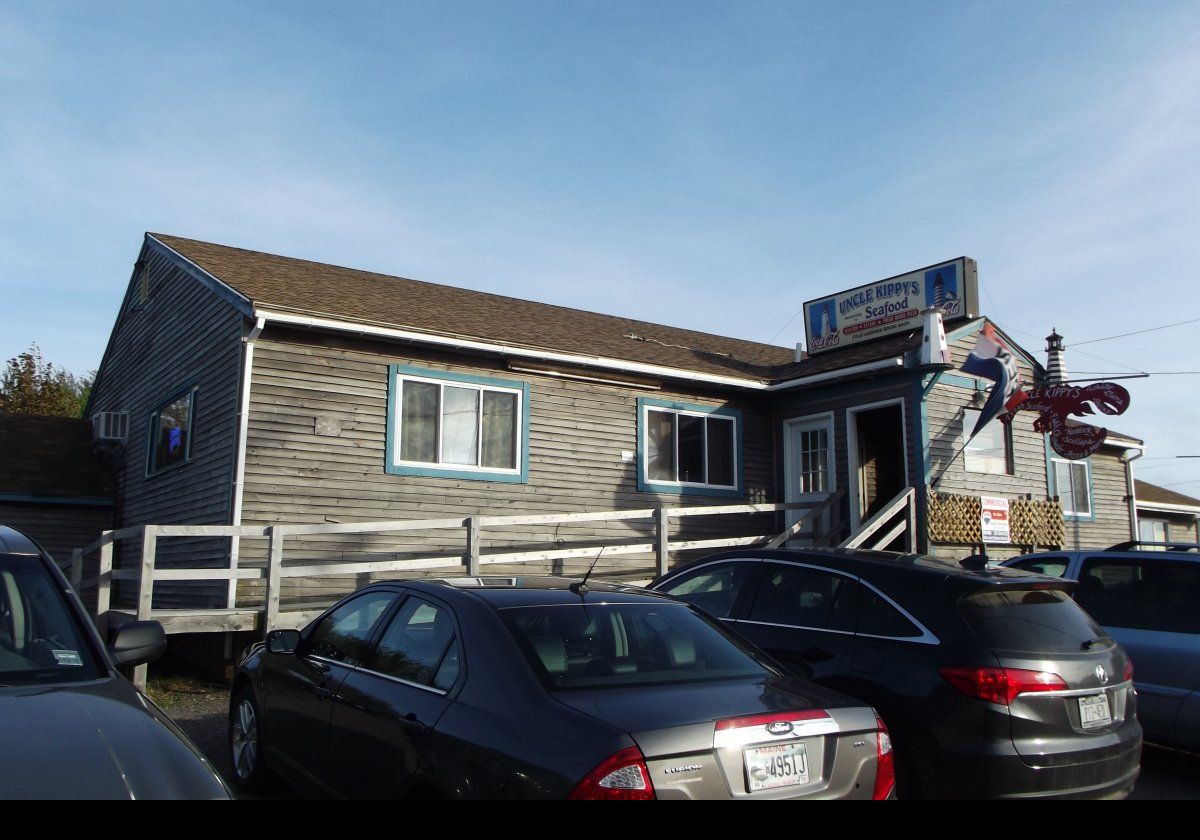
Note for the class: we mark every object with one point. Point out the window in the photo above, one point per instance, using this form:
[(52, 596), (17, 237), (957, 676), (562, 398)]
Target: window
[(458, 426), (714, 589), (1154, 531), (878, 617), (1052, 566), (343, 634), (170, 437), (1141, 594), (688, 449), (990, 451), (1073, 486), (419, 646), (798, 596)]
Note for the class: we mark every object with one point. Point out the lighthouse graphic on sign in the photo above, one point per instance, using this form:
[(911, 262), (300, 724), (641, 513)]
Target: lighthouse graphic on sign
[(941, 289)]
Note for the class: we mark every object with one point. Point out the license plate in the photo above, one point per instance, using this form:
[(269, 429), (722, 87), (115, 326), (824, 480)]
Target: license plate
[(1093, 711), (779, 765)]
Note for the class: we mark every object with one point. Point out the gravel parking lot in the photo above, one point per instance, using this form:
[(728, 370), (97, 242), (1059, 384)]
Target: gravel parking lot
[(200, 710)]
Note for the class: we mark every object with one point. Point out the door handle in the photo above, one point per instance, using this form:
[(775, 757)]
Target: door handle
[(410, 724)]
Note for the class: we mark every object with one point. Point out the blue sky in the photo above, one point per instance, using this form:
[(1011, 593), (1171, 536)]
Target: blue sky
[(708, 165)]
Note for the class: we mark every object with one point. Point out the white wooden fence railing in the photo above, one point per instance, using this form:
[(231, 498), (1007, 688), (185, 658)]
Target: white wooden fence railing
[(866, 536)]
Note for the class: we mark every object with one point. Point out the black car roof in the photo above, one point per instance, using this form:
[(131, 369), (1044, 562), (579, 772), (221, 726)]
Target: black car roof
[(13, 541), (540, 591)]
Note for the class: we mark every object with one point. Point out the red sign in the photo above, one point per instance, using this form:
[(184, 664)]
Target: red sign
[(1057, 402)]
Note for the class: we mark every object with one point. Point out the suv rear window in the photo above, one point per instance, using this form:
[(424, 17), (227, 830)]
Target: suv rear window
[(1029, 620), (607, 645)]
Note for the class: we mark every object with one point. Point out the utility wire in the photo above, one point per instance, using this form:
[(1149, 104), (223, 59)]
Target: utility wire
[(1136, 332)]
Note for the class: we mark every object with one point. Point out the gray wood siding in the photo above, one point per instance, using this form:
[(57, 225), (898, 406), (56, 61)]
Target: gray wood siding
[(1110, 504), (183, 336), (578, 432), (59, 528), (838, 400)]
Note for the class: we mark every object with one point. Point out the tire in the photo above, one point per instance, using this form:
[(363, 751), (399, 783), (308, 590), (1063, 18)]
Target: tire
[(245, 742)]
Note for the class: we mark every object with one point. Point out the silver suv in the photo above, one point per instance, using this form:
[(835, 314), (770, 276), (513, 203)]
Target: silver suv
[(1149, 601)]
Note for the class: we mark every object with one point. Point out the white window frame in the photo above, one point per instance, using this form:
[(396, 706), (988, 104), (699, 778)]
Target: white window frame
[(1090, 513), (644, 466), (440, 465), (1006, 431)]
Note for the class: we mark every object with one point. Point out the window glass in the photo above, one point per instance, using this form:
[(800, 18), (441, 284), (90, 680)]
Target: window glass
[(1071, 483), (1052, 566), (1141, 594), (171, 433), (877, 617), (690, 448), (1154, 531), (40, 641), (416, 645), (989, 451), (796, 596), (1030, 620), (598, 645), (712, 589), (343, 634), (464, 426), (814, 461)]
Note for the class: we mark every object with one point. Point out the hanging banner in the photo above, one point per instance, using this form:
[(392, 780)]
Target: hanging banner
[(1055, 403), (993, 520), (892, 305)]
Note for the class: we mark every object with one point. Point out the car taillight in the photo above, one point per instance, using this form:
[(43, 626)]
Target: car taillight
[(1001, 685), (623, 775), (885, 765), (1128, 670)]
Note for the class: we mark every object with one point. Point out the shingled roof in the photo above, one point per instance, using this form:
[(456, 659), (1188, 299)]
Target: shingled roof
[(285, 284), (49, 457), (1152, 494)]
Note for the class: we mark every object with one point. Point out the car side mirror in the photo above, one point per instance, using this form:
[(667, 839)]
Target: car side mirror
[(137, 643), (283, 641)]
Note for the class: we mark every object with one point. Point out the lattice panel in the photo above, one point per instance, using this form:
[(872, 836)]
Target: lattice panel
[(955, 519)]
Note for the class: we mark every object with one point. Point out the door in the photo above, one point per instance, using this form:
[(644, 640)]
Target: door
[(808, 472), (803, 616), (384, 713), (878, 466)]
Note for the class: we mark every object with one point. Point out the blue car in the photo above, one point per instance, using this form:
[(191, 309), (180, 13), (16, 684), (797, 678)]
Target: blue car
[(1149, 601)]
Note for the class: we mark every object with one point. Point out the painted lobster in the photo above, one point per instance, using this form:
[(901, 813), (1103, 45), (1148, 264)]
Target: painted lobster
[(1056, 403)]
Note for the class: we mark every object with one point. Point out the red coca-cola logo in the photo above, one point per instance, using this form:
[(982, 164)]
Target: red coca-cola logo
[(824, 342)]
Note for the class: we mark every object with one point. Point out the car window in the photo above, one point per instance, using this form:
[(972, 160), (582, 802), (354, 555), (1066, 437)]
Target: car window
[(40, 641), (343, 634), (796, 596), (1141, 594), (419, 645), (713, 589), (877, 617), (598, 645), (1052, 566), (1030, 620)]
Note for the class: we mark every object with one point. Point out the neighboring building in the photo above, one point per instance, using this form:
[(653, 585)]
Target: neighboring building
[(259, 389), (53, 485), (1165, 516)]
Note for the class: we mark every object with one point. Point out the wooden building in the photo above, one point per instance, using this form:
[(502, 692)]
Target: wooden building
[(256, 389), (1165, 516)]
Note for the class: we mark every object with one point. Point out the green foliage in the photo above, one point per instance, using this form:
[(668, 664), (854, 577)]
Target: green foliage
[(31, 385)]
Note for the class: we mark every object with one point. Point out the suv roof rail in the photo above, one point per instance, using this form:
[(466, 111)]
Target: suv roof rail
[(1138, 545)]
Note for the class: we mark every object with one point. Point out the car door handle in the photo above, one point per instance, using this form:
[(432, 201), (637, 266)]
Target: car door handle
[(410, 724)]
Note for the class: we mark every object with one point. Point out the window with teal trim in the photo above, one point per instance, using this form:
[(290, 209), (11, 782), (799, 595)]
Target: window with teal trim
[(456, 425), (170, 433), (1073, 487), (689, 449)]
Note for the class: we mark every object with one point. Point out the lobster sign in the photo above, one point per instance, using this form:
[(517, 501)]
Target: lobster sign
[(1056, 403)]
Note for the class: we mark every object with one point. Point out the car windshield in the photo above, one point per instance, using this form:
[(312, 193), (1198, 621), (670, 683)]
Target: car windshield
[(607, 645), (39, 639), (1032, 620)]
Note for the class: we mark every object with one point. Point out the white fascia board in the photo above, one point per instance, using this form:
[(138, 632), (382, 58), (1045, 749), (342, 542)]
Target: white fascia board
[(273, 316), (1163, 507), (883, 365)]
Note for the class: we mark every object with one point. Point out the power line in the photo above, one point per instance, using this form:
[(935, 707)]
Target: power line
[(1136, 332)]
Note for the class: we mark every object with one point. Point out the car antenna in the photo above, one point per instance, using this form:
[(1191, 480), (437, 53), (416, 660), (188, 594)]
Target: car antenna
[(580, 587)]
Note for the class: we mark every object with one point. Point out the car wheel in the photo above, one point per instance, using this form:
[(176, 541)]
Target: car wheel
[(245, 742)]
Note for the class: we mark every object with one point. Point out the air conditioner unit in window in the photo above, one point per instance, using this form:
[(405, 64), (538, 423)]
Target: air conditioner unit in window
[(110, 426)]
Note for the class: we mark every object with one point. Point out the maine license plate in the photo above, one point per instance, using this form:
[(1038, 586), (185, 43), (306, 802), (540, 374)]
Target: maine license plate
[(778, 765), (1093, 711)]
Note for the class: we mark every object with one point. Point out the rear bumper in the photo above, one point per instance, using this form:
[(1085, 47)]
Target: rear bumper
[(996, 771)]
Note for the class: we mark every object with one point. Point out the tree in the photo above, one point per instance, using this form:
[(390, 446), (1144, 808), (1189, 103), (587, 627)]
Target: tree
[(31, 385)]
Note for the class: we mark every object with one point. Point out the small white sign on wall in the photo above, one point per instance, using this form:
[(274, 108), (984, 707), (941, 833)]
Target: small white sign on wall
[(993, 519)]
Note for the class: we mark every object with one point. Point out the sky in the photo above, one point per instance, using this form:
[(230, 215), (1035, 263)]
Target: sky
[(698, 164)]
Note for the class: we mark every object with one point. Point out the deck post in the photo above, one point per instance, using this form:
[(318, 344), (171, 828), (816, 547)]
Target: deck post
[(145, 603), (76, 569), (274, 578), (104, 584), (662, 552), (474, 540)]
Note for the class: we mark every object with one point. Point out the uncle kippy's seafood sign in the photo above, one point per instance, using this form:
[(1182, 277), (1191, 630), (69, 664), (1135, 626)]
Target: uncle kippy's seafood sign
[(891, 305)]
